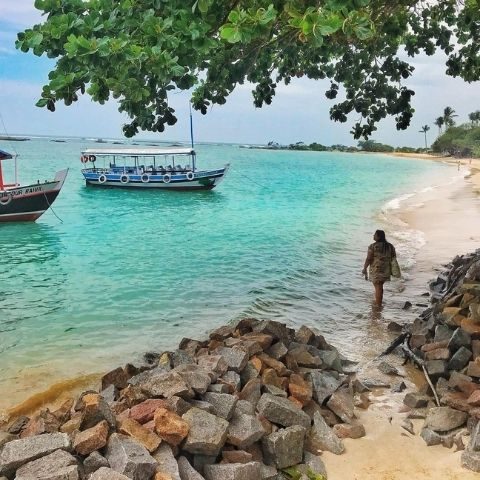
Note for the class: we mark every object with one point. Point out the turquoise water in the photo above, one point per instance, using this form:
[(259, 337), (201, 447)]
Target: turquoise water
[(283, 237)]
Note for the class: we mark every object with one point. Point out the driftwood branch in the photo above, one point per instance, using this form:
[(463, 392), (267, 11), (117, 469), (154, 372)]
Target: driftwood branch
[(394, 344), (416, 359)]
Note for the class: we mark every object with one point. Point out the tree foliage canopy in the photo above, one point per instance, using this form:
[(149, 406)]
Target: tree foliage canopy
[(137, 51)]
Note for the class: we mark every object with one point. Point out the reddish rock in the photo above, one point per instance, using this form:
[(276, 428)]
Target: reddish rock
[(434, 346), (91, 439), (362, 401), (349, 430), (278, 366), (471, 327), (300, 389), (438, 354), (118, 378), (144, 412), (257, 364), (44, 422), (473, 369), (263, 339), (150, 425), (133, 429), (63, 412), (73, 424), (266, 424), (476, 349), (296, 402), (95, 409), (456, 400), (170, 427), (237, 456), (132, 395), (416, 341), (474, 399), (270, 377)]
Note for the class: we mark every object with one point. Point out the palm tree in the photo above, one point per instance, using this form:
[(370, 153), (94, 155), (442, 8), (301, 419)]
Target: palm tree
[(474, 118), (448, 114), (424, 130), (439, 122)]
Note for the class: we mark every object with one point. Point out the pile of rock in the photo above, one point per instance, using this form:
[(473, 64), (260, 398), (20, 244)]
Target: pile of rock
[(256, 401), (446, 339)]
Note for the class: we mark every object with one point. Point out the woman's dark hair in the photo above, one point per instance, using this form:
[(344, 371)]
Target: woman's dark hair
[(380, 235)]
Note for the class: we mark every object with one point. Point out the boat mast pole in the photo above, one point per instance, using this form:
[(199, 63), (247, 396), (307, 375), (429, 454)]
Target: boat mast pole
[(1, 176), (191, 135), (16, 171)]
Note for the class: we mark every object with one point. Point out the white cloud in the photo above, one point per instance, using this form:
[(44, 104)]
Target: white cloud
[(21, 13)]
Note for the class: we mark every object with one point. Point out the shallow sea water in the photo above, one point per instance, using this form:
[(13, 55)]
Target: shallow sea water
[(283, 237)]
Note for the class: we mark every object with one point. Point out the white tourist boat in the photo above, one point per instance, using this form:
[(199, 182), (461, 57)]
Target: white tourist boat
[(166, 168)]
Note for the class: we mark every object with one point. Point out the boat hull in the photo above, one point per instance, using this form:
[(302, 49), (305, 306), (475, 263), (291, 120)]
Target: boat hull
[(203, 180), (28, 203)]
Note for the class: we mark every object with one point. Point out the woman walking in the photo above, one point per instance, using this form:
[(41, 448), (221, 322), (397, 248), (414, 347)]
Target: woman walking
[(379, 259)]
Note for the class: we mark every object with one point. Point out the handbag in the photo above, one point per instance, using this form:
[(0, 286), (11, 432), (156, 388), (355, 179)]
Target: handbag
[(395, 268)]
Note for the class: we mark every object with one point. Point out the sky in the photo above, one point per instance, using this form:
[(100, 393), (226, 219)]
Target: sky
[(299, 111)]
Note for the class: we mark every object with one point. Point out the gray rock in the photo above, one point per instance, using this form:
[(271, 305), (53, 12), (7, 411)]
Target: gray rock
[(234, 471), (58, 465), (181, 357), (207, 432), (248, 373), (268, 472), (277, 330), (388, 369), (284, 447), (223, 404), (273, 390), (315, 463), (244, 406), (430, 437), (252, 391), (166, 461), (471, 460), (442, 333), (341, 404), (18, 425), (331, 359), (304, 357), (235, 358), (201, 461), (160, 383), (416, 400), (195, 377), (218, 388), (460, 359), (187, 472), (129, 458), (277, 351), (99, 411), (109, 394), (436, 368), (443, 419), (93, 462), (474, 443), (18, 452), (407, 425), (215, 363), (232, 378), (324, 384), (460, 338), (105, 473), (282, 411), (321, 437), (244, 430), (399, 387), (6, 437), (205, 406)]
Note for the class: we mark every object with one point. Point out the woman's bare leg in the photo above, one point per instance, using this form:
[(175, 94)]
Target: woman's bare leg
[(378, 293)]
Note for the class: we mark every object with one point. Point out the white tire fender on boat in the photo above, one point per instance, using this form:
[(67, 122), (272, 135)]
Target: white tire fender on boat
[(190, 176), (102, 178), (166, 178), (5, 200), (124, 178), (145, 178)]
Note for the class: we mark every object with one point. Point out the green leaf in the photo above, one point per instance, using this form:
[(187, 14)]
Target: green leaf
[(203, 5), (230, 33), (42, 102)]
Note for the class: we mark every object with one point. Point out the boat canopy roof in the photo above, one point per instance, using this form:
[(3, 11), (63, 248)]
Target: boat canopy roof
[(138, 152), (5, 155)]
